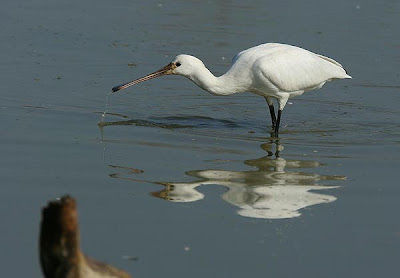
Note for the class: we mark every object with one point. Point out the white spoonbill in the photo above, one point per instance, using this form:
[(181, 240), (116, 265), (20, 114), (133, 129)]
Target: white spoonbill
[(272, 70)]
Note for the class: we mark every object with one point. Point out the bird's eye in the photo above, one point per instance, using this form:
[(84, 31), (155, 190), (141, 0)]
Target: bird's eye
[(178, 64)]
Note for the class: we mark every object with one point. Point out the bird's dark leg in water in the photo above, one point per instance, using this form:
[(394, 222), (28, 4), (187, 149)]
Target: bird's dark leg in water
[(271, 111), (278, 121), (273, 117)]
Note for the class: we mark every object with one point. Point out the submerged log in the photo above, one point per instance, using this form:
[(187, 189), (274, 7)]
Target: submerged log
[(60, 254)]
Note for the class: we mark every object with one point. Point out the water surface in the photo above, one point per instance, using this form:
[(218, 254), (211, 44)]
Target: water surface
[(188, 183)]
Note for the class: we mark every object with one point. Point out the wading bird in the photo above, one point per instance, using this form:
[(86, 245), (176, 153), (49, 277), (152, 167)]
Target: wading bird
[(272, 70)]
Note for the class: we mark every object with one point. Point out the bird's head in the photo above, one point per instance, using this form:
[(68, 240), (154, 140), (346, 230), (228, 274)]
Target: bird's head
[(186, 65), (183, 64)]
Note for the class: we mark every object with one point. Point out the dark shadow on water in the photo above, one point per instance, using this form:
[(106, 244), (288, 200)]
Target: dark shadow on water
[(144, 123), (198, 121), (171, 122)]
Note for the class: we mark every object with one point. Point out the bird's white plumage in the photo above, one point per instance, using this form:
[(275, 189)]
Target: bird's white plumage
[(271, 70), (283, 68)]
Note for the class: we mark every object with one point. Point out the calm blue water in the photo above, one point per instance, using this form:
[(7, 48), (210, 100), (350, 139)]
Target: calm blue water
[(187, 183)]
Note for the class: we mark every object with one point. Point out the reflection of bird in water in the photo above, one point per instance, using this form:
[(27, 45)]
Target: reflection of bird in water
[(276, 202), (269, 192), (60, 254), (272, 70), (179, 192)]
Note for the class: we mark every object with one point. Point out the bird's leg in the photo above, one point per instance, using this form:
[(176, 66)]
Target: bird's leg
[(282, 102), (273, 117), (278, 121), (271, 111)]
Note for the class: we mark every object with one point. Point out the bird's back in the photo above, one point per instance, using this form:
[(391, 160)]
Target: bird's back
[(286, 68)]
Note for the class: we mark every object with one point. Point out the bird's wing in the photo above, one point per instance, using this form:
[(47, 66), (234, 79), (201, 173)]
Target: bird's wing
[(329, 60), (293, 69), (256, 49)]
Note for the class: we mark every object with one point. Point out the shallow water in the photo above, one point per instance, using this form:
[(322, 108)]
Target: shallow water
[(191, 184)]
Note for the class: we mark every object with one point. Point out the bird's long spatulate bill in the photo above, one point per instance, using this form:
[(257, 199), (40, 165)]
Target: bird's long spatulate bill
[(163, 71)]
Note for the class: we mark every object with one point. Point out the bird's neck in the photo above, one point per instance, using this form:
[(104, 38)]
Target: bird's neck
[(222, 85)]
